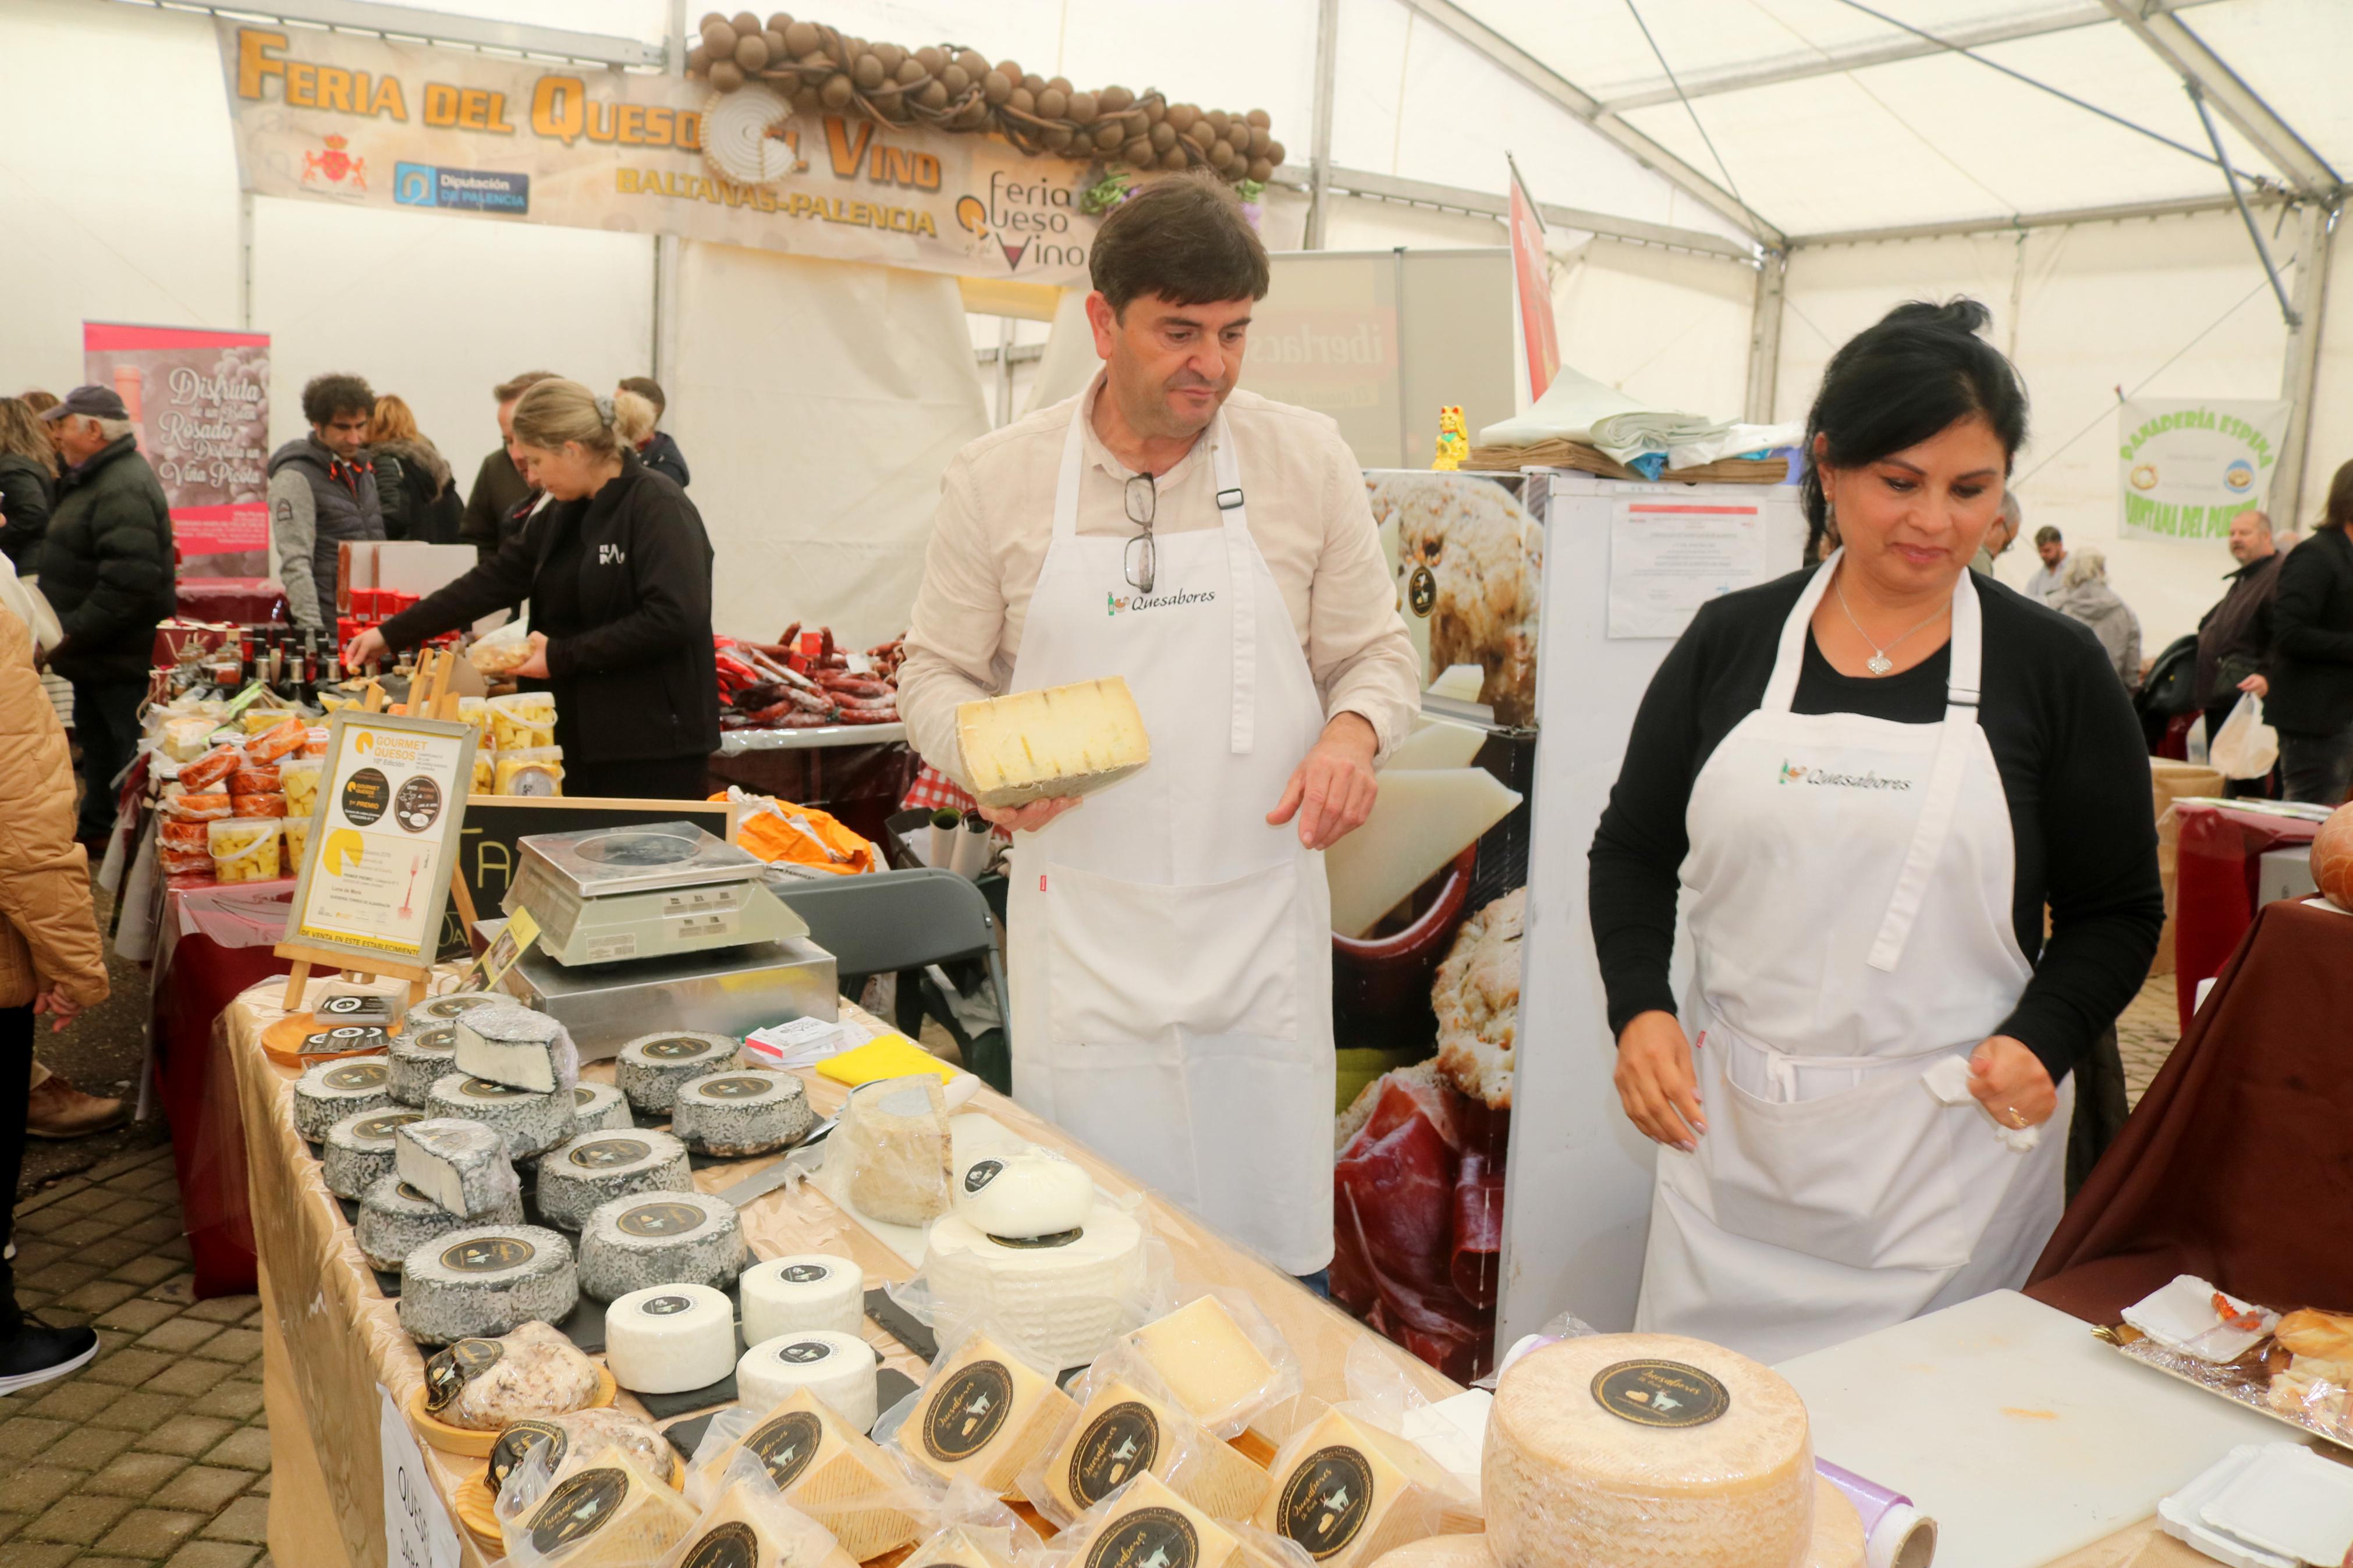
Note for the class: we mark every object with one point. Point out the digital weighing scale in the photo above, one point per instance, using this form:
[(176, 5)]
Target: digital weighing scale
[(661, 890)]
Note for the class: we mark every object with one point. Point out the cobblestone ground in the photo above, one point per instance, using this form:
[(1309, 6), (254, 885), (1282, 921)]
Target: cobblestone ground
[(2146, 1034), (156, 1453)]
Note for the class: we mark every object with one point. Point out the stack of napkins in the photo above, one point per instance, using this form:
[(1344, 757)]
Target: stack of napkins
[(2271, 1505), (799, 1043), (2187, 1315)]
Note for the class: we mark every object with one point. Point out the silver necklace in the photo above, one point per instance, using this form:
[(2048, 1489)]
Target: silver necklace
[(1879, 663)]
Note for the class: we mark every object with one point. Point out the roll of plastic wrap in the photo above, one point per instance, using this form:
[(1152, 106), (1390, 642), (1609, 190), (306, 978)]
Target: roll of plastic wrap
[(837, 1368), (1894, 1533), (669, 1339), (810, 1290)]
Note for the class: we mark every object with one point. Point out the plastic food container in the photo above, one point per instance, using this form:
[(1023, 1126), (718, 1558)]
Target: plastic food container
[(299, 777), (486, 771), (297, 839), (245, 849), (536, 770), (314, 740), (522, 721)]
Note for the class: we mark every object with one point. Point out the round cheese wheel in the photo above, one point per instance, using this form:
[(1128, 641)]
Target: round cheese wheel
[(327, 1093), (809, 1290), (735, 1114), (1647, 1451), (2332, 857), (485, 1281), (651, 1066), (1026, 1194), (660, 1238), (1838, 1530), (599, 1108), (532, 1123), (420, 1057), (438, 1010), (1061, 1297), (668, 1338), (359, 1150), (837, 1368), (396, 1219), (581, 1174), (1440, 1552)]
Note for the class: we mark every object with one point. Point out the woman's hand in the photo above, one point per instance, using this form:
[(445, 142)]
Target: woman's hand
[(369, 647), (59, 1006), (2011, 1083), (1655, 1081), (535, 663)]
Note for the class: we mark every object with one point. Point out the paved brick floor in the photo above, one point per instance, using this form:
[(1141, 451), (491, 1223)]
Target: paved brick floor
[(156, 1453), (2146, 1034)]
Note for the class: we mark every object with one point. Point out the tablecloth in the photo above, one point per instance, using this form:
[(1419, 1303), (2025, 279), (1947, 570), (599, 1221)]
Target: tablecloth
[(859, 783), (240, 600), (2216, 858)]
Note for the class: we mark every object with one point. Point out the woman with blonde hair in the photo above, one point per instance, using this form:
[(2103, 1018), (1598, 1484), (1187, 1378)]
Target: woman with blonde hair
[(414, 486), (28, 472), (618, 570)]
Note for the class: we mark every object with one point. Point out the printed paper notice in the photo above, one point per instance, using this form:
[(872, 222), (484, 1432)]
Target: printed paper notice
[(417, 1529), (1668, 558), (378, 857)]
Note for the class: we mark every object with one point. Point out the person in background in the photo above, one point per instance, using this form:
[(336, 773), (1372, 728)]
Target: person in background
[(2235, 638), (1999, 536), (107, 571), (2045, 585), (322, 495), (2310, 680), (658, 451), (633, 422), (502, 493), (418, 494), (2085, 595), (28, 474), (618, 570), (40, 402)]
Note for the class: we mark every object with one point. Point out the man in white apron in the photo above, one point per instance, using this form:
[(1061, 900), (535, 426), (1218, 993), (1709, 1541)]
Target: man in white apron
[(1170, 937)]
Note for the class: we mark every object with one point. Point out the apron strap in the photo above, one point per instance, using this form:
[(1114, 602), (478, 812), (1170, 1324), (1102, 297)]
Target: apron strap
[(1944, 780), (1066, 491), (1790, 662), (1241, 584)]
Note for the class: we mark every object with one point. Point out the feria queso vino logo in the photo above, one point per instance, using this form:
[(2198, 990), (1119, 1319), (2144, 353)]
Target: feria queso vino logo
[(1792, 773), (1120, 603)]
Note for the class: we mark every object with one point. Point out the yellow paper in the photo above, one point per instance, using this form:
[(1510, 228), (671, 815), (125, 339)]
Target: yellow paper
[(885, 1056)]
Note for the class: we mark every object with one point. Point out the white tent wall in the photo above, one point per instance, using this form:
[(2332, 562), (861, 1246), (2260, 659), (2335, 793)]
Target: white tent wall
[(2330, 444), (1657, 325)]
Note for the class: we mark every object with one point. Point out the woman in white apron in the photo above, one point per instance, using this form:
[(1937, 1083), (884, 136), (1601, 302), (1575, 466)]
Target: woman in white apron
[(1886, 766)]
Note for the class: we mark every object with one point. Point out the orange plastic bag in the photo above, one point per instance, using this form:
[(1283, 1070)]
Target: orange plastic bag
[(779, 832)]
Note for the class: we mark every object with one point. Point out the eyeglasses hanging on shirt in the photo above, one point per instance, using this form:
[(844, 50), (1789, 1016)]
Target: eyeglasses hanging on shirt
[(1141, 504)]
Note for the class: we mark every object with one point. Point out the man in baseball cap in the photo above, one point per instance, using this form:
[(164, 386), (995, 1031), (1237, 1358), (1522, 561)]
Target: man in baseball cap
[(91, 403)]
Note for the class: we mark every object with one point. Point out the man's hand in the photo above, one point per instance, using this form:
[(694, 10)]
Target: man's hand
[(535, 663), (1028, 818), (2011, 1083), (59, 1006), (2256, 684), (369, 647), (1334, 789)]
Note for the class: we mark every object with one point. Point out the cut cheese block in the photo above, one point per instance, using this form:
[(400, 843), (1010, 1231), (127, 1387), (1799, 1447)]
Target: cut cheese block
[(461, 1165), (1063, 740), (965, 1546), (1420, 821), (1217, 1372), (487, 1385), (660, 1238), (737, 1114), (581, 1173), (1028, 1193), (1347, 1491), (599, 1108), (668, 1338), (531, 1123), (1436, 743), (651, 1067), (1441, 1551), (1124, 1432), (396, 1219), (1838, 1530), (746, 1528), (892, 1149), (807, 1290), (590, 1431), (1063, 1297), (837, 1476), (1149, 1524), (518, 1046), (486, 1280), (358, 1151), (420, 1057), (436, 1011), (327, 1093), (606, 1513), (836, 1367), (1647, 1451), (985, 1416)]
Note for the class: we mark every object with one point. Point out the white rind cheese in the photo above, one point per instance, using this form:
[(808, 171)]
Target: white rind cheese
[(1647, 1451), (807, 1290), (330, 1091), (752, 1110), (1061, 740), (651, 1067), (984, 1416), (835, 1476), (531, 1123), (418, 1059), (580, 1174), (600, 1108), (838, 1369), (1063, 1297), (1217, 1372), (517, 1047), (396, 1219), (460, 1165), (1032, 1193), (487, 1385), (358, 1151), (486, 1280), (668, 1338), (660, 1238), (1347, 1491)]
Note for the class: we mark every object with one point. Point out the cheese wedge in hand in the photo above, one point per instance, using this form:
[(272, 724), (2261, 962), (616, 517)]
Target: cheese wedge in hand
[(1062, 741)]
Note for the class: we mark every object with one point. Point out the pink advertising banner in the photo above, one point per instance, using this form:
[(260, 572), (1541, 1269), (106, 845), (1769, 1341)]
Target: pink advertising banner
[(201, 401)]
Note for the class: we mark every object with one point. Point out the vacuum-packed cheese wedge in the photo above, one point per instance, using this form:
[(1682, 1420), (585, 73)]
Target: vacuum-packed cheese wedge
[(1124, 1432), (830, 1471), (1148, 1523), (604, 1513), (746, 1529), (1064, 740), (1440, 1552), (1348, 1491), (963, 1546), (985, 1416), (1215, 1369)]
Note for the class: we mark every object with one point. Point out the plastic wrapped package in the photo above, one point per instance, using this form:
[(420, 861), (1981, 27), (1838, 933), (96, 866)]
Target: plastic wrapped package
[(205, 806), (1395, 1492), (257, 719), (283, 739), (212, 768), (244, 849), (597, 1427), (594, 1509), (1129, 1423), (502, 648), (987, 1412), (298, 776), (487, 1385), (298, 840), (314, 740), (255, 778), (892, 1149), (261, 804), (530, 771), (1145, 1519), (970, 1529), (822, 1466), (185, 739), (184, 862), (522, 720), (486, 771), (750, 1525), (194, 838), (1223, 1358)]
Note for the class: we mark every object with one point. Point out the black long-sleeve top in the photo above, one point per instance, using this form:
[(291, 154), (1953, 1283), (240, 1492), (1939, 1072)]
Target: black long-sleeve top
[(2072, 763)]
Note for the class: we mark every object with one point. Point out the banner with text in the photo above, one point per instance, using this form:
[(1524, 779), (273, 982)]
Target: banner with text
[(2190, 464), (201, 403), (338, 116)]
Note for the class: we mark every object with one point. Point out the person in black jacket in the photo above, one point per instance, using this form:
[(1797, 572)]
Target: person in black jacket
[(413, 481), (656, 447), (2311, 700), (28, 473), (502, 489), (618, 570), (107, 571)]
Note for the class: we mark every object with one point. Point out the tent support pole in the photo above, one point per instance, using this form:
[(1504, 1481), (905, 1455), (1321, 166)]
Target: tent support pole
[(1765, 337), (2300, 376), (664, 347), (2254, 231), (1327, 71)]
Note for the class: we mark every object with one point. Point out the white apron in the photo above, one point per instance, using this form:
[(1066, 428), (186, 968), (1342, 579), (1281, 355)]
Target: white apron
[(1848, 890), (1171, 952)]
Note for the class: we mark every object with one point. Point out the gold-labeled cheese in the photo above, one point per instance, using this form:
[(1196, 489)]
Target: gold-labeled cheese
[(963, 1546), (1348, 1491), (1065, 739), (1440, 1552), (984, 1416), (836, 1476), (1151, 1527), (1838, 1530), (603, 1513), (1207, 1361), (745, 1528), (1124, 1433)]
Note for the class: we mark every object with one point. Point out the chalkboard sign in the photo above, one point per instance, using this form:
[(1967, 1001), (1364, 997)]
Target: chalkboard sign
[(494, 823)]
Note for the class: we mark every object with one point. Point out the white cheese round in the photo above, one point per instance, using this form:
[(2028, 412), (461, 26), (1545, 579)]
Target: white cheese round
[(1031, 1192), (485, 1281), (660, 1238), (1061, 1297), (751, 1111), (1647, 1451), (599, 1108), (420, 1057), (436, 1011), (836, 1367), (396, 1219), (810, 1290), (330, 1091), (358, 1151), (581, 1174), (532, 1123), (668, 1338), (651, 1066)]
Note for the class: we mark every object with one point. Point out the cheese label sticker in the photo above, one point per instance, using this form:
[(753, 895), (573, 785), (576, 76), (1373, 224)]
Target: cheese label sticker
[(805, 1273), (585, 1096), (789, 1446), (437, 1041), (678, 1050), (660, 1220), (970, 1410), (338, 1007), (483, 1089), (1660, 1394), (607, 1152), (731, 1546), (731, 1088), (666, 1306), (980, 1173), (804, 1352), (448, 1371), (578, 1509), (1326, 1501), (412, 1195), (345, 1038), (378, 1128), (488, 1254), (518, 1442), (1031, 1243), (355, 1075), (1148, 1538), (451, 1006), (1115, 1447)]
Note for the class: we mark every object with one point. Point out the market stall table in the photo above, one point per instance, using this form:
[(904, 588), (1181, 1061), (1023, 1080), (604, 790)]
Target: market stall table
[(858, 773), (2215, 864), (240, 601)]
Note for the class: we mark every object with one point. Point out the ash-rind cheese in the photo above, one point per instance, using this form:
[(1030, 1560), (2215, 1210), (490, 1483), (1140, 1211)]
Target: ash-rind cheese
[(1061, 740), (985, 1415), (1347, 1491), (1124, 1433), (606, 1513), (358, 1151), (418, 1059), (532, 1123), (581, 1174), (517, 1047), (1030, 1193), (461, 1165), (436, 1011), (753, 1110), (838, 1477), (837, 1368), (660, 1238), (599, 1108), (1150, 1523), (396, 1219), (807, 1290), (484, 1281), (1065, 1297), (1649, 1451), (651, 1067), (487, 1385), (327, 1093), (1215, 1369), (668, 1338)]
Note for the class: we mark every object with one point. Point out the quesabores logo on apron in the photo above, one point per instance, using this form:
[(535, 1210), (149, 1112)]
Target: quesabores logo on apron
[(1660, 1394), (1122, 603)]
